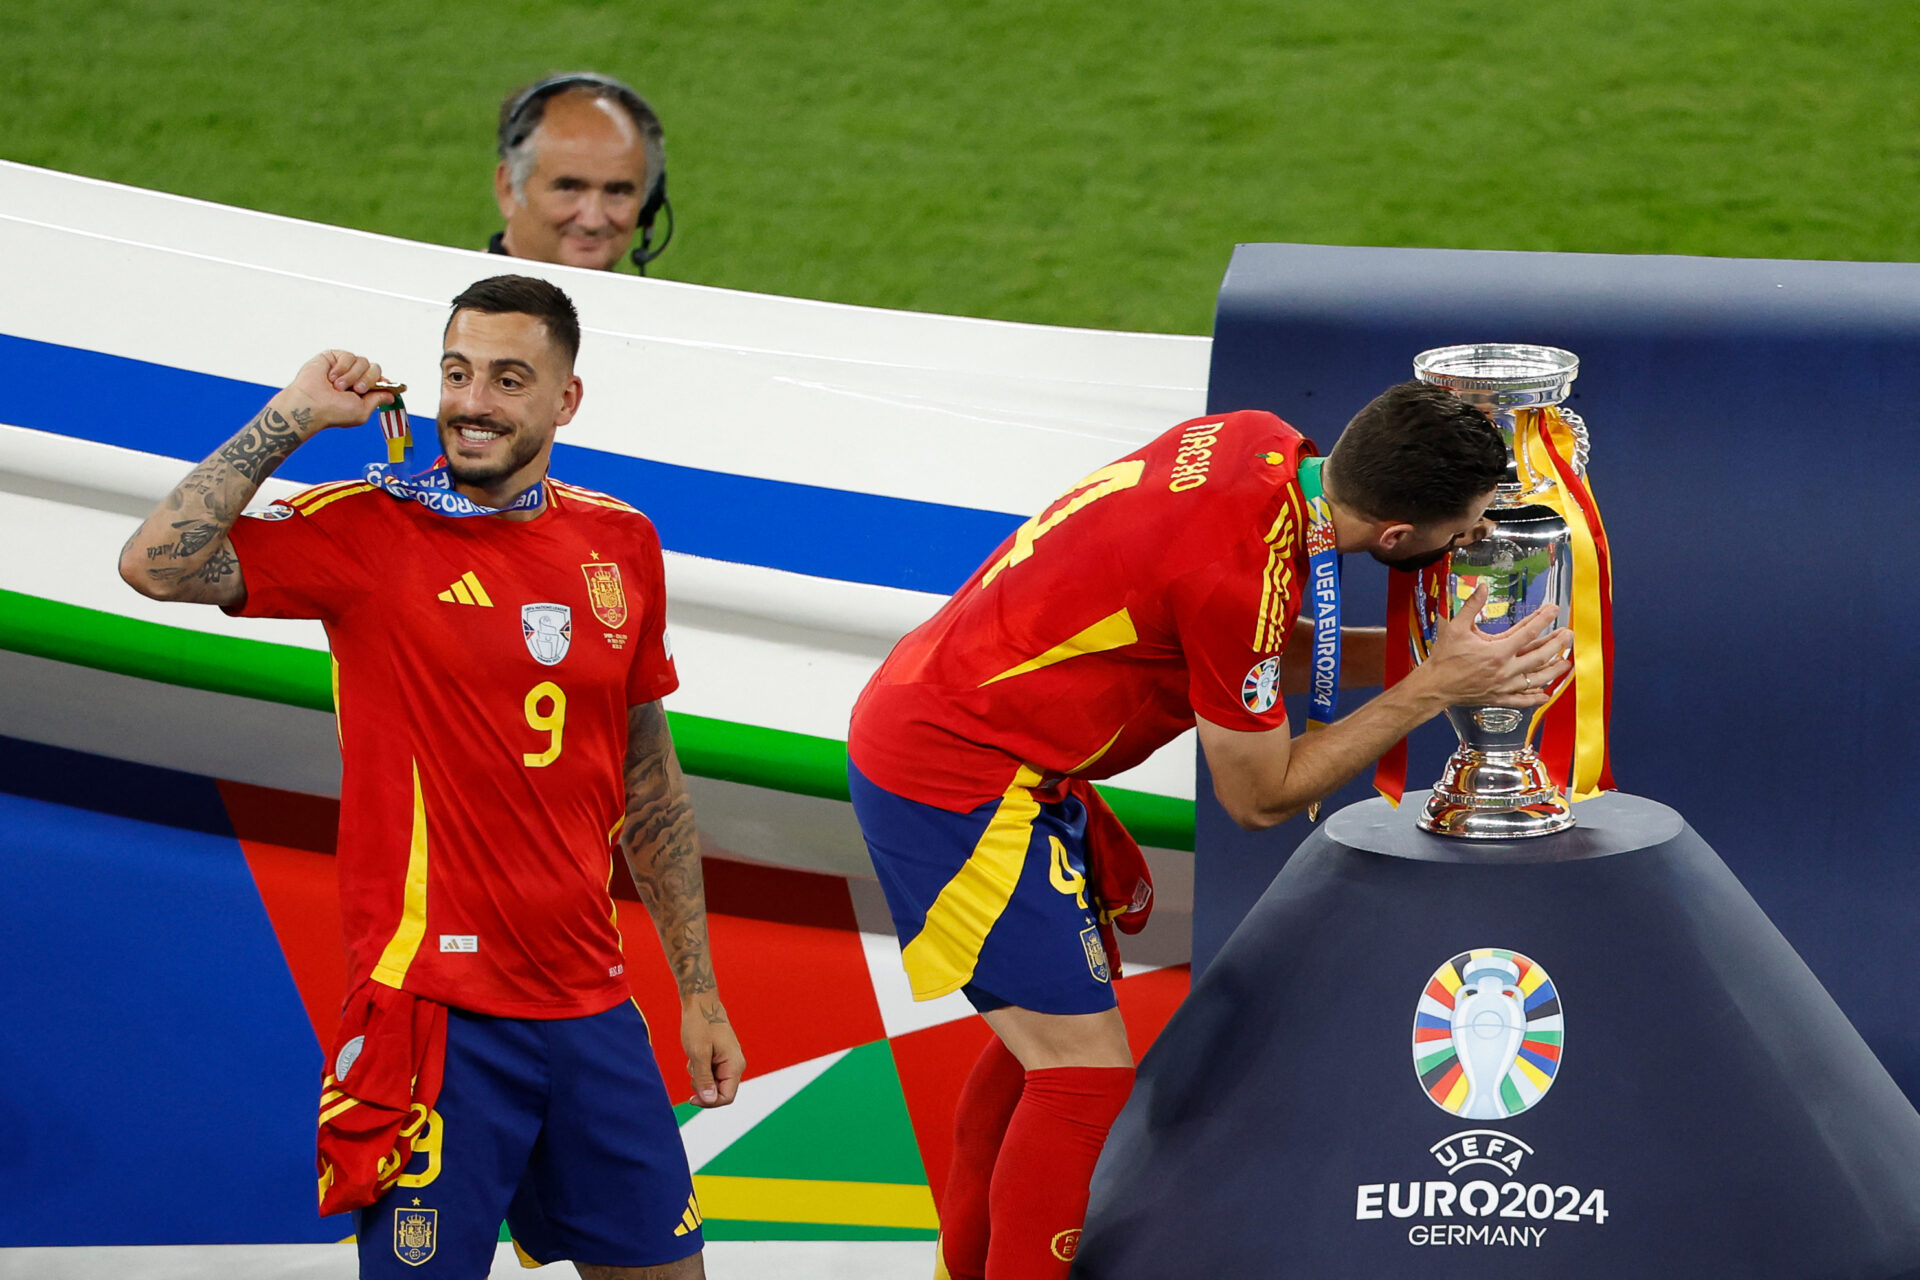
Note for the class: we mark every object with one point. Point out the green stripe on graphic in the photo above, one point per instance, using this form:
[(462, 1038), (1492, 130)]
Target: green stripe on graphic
[(292, 676), (813, 1136), (280, 673), (727, 1229)]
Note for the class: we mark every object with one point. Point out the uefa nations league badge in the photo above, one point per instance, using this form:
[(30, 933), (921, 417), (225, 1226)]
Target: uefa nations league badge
[(548, 629), (1488, 1033)]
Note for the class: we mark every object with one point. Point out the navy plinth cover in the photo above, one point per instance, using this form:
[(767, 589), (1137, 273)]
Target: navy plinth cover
[(1677, 1096)]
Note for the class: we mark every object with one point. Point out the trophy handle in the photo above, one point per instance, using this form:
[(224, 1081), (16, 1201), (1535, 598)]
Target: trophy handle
[(1581, 446)]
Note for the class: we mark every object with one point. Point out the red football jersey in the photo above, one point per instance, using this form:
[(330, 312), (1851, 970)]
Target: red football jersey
[(1161, 586), (482, 673)]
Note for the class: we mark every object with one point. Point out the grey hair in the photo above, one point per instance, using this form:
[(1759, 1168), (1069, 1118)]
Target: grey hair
[(523, 113)]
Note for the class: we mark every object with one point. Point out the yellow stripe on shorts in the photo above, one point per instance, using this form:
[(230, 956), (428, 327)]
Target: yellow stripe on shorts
[(941, 958)]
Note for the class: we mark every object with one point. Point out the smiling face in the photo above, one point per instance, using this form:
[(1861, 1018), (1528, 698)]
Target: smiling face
[(582, 201), (505, 387)]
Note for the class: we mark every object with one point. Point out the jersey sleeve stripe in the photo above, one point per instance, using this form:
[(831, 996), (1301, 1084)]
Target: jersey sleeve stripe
[(1272, 601), (353, 488), (1278, 591), (319, 491), (593, 496)]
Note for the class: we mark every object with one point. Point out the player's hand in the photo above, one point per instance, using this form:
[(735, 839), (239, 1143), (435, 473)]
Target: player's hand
[(334, 389), (1517, 668), (714, 1060)]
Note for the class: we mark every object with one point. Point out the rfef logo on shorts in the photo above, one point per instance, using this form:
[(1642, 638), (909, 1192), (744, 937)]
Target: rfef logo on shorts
[(415, 1234), (1096, 953), (1261, 689), (1487, 1034)]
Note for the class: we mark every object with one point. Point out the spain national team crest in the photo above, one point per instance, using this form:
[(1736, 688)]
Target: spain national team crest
[(549, 631), (416, 1233), (1261, 689), (1096, 953), (605, 594)]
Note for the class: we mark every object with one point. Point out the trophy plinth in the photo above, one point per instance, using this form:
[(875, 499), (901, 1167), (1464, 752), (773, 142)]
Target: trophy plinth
[(1495, 786)]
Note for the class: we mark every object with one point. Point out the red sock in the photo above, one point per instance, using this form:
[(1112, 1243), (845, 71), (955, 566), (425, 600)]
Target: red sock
[(1039, 1195), (985, 1105)]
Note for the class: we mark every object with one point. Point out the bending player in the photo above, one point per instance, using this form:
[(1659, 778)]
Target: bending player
[(1157, 594), (500, 649)]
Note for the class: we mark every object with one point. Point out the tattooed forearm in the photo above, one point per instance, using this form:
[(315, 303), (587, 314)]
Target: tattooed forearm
[(263, 443), (663, 852), (182, 552), (222, 566), (195, 535)]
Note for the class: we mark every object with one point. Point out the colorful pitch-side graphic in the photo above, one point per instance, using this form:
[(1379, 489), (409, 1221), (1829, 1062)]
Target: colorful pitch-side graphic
[(199, 922), (1487, 1034)]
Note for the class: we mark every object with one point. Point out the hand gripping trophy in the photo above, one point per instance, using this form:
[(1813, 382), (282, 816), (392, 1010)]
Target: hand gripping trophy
[(1548, 548)]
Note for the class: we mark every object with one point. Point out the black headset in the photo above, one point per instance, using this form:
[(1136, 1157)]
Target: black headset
[(516, 124)]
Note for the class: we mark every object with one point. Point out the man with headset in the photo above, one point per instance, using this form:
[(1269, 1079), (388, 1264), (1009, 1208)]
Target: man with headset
[(582, 167)]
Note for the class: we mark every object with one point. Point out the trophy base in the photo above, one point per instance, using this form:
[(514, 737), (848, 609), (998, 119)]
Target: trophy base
[(1495, 795)]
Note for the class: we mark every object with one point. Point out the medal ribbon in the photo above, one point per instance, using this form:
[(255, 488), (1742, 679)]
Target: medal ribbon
[(433, 488), (1323, 594)]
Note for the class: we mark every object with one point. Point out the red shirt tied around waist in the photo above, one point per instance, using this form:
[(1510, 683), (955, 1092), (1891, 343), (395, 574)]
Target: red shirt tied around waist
[(1155, 595), (483, 671), (1162, 585)]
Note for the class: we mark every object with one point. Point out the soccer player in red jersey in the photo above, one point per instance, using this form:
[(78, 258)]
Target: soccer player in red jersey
[(1161, 592), (500, 654)]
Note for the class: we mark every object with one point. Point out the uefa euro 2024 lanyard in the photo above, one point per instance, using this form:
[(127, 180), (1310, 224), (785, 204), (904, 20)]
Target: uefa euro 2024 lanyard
[(1323, 594), (433, 488)]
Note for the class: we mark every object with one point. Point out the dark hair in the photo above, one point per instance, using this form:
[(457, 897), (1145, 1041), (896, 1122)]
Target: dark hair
[(525, 296), (1417, 453), (523, 109)]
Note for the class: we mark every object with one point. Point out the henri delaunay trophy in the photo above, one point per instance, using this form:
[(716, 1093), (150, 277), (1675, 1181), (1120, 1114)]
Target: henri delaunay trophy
[(1547, 548)]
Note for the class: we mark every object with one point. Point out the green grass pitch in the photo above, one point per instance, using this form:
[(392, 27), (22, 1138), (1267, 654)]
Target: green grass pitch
[(1059, 161)]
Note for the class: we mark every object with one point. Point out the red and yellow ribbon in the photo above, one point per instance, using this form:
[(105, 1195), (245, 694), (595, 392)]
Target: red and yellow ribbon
[(1573, 726), (1573, 723)]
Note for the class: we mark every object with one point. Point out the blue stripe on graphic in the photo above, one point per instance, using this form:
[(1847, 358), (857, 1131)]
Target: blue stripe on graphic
[(830, 533)]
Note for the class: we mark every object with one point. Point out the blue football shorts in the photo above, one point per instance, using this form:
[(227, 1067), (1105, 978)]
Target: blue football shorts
[(563, 1129), (992, 902)]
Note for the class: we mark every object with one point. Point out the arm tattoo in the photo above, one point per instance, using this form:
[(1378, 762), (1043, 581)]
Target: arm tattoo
[(663, 851), (194, 535), (223, 565), (180, 558), (263, 443)]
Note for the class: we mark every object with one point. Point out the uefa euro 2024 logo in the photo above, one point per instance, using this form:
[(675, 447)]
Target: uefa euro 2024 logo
[(1487, 1034)]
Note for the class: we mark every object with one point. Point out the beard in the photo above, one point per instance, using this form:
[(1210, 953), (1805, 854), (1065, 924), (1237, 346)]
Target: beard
[(521, 449), (1413, 564)]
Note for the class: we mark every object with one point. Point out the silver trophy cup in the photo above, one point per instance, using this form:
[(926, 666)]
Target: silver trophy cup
[(1495, 786)]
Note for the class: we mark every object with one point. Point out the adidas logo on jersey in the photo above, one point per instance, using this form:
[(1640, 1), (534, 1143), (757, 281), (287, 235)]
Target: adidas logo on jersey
[(467, 591)]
